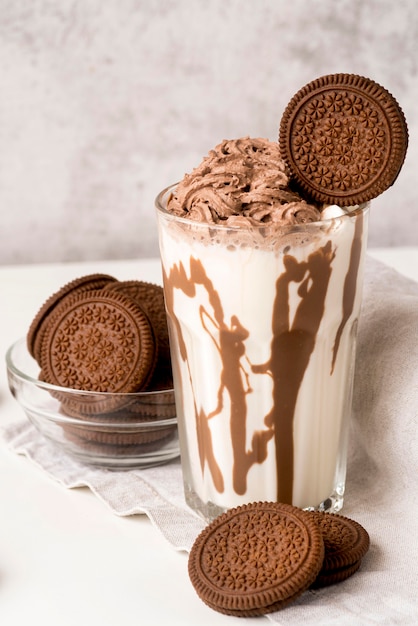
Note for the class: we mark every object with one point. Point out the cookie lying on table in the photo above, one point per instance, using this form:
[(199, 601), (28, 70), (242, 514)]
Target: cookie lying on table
[(258, 558)]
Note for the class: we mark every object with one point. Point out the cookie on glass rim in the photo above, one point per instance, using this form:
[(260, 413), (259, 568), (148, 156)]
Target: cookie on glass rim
[(344, 138)]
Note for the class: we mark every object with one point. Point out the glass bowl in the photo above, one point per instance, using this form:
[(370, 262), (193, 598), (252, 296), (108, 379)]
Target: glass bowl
[(112, 430)]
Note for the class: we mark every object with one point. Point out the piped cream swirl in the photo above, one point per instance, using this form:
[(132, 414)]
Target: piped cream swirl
[(241, 182)]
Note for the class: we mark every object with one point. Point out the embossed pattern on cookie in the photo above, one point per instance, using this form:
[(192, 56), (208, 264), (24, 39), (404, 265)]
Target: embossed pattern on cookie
[(344, 137), (98, 342), (256, 558), (90, 282), (151, 299)]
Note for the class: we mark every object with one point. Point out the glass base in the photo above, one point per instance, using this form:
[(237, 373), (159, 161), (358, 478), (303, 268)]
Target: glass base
[(208, 510), (333, 504)]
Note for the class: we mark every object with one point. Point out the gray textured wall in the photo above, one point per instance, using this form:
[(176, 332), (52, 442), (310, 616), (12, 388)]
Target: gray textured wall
[(104, 102)]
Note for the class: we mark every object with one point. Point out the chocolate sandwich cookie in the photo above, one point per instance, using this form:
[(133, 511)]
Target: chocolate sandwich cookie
[(99, 342), (118, 432), (151, 298), (256, 558), (136, 406), (149, 411), (344, 138), (159, 405), (126, 451), (338, 575), (345, 541), (78, 285)]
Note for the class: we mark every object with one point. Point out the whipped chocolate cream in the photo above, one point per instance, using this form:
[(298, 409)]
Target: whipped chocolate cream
[(241, 182)]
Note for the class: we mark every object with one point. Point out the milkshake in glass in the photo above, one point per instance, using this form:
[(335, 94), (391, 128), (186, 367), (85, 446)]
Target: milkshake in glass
[(262, 303)]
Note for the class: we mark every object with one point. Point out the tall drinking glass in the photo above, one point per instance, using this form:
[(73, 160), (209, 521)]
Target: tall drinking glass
[(263, 325)]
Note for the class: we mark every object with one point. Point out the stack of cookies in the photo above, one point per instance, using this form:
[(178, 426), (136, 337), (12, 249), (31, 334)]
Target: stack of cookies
[(258, 558), (106, 341)]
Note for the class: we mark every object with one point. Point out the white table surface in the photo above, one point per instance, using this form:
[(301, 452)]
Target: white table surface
[(65, 558)]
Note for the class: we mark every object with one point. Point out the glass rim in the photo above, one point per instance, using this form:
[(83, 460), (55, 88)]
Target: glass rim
[(162, 198), (17, 371)]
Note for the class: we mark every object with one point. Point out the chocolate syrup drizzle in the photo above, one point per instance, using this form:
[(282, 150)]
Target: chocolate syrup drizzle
[(291, 348), (350, 284)]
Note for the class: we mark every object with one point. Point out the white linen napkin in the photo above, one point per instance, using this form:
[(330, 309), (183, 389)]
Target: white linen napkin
[(382, 480)]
